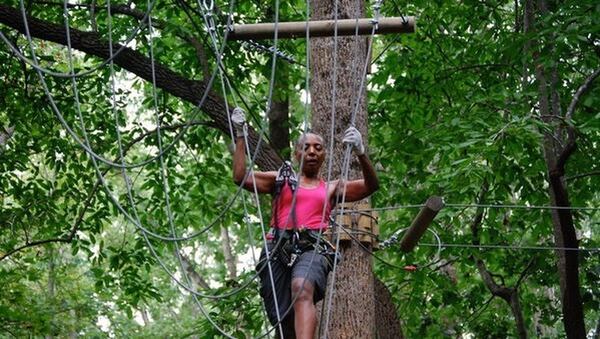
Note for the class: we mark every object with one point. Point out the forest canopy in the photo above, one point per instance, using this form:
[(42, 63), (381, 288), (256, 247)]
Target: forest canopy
[(492, 105)]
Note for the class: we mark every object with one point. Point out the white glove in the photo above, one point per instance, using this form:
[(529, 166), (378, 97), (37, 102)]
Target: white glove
[(353, 137), (238, 120)]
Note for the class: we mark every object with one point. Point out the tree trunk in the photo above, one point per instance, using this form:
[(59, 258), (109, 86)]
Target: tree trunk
[(387, 325), (51, 286), (279, 126), (230, 261), (556, 156), (353, 310), (188, 266), (279, 112), (508, 294)]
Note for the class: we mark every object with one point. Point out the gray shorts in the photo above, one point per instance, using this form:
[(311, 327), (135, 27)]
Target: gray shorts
[(314, 270)]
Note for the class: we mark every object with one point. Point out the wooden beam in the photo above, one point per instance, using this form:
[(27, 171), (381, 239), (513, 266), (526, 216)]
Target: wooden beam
[(322, 28), (418, 227)]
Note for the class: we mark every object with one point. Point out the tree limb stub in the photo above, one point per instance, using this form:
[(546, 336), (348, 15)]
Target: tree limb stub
[(419, 225), (134, 62)]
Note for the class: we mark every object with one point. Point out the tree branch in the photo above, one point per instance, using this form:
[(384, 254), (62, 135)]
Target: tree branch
[(582, 175), (524, 273), (580, 92), (570, 145), (66, 239), (136, 63), (88, 200)]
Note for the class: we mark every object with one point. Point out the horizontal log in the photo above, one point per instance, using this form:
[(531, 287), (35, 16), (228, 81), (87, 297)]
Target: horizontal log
[(419, 225), (322, 28)]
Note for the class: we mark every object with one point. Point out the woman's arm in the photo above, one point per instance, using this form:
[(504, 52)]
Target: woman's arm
[(265, 181), (358, 189)]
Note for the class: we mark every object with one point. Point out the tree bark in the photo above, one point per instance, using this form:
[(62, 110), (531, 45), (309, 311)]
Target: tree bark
[(556, 156), (188, 266), (508, 294), (353, 311), (279, 112), (386, 317), (279, 131), (51, 286), (230, 261), (136, 63)]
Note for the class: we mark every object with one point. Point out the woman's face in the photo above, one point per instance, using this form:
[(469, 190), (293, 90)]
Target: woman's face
[(310, 152)]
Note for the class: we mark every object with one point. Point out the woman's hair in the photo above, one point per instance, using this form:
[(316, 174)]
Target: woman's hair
[(300, 141)]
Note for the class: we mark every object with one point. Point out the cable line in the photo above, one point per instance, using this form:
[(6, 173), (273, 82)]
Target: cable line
[(36, 66)]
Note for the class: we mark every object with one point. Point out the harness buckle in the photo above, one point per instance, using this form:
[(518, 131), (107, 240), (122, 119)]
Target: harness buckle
[(285, 173)]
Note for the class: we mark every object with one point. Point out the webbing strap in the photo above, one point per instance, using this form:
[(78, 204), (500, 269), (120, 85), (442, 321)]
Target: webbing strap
[(285, 174)]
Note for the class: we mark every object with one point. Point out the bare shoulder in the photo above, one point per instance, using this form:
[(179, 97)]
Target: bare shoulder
[(332, 187)]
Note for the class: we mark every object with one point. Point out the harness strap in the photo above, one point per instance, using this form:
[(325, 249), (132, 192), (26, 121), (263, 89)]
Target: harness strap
[(285, 174), (292, 243)]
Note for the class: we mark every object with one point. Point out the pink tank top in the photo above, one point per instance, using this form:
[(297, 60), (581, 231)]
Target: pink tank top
[(309, 208)]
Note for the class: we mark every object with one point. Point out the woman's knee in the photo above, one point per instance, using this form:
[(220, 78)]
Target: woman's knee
[(302, 290)]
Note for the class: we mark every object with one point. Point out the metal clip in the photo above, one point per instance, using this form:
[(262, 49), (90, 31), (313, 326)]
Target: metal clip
[(293, 258), (285, 173)]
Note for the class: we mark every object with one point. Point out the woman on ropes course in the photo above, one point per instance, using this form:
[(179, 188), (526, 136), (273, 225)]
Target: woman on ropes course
[(300, 257)]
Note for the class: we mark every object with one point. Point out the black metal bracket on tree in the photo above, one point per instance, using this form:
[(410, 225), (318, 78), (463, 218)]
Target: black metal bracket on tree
[(420, 224), (322, 28)]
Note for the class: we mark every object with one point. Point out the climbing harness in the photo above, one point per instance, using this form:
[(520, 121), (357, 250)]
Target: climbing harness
[(290, 244), (285, 174)]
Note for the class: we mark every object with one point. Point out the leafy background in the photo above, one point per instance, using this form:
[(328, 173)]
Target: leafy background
[(452, 109)]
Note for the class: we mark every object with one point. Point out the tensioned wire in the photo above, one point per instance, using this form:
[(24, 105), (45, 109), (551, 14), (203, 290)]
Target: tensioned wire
[(100, 158), (86, 147), (128, 182), (36, 66), (348, 152), (510, 247), (331, 140), (372, 253), (496, 206), (97, 170), (126, 179), (165, 185), (210, 24)]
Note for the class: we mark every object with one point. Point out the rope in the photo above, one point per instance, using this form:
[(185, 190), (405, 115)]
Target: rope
[(103, 159), (86, 147), (35, 65), (348, 151), (511, 247), (497, 206), (522, 207), (331, 143)]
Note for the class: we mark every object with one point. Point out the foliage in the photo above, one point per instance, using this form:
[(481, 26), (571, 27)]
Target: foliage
[(451, 110)]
